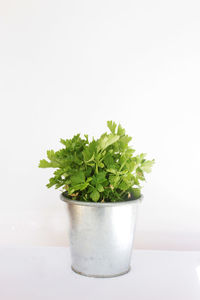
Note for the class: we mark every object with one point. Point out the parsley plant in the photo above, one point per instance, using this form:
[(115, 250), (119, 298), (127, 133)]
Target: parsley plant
[(103, 170)]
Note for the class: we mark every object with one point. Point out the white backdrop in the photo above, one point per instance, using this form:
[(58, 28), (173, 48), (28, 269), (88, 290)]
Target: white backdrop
[(68, 67)]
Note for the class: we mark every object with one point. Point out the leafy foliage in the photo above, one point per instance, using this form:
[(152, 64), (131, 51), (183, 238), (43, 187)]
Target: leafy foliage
[(103, 170)]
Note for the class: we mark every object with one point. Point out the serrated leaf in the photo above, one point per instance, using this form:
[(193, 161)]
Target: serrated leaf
[(147, 165), (50, 154), (62, 141), (88, 154), (52, 182), (81, 186), (120, 130), (78, 178), (112, 126), (101, 177), (46, 164), (109, 160), (108, 140), (124, 140), (113, 171)]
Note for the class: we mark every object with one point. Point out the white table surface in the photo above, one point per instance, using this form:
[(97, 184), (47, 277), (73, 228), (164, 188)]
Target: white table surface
[(45, 273)]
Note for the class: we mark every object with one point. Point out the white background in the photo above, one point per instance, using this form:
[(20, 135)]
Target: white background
[(68, 67)]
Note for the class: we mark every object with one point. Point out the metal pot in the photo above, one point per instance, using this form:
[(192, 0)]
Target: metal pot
[(101, 236)]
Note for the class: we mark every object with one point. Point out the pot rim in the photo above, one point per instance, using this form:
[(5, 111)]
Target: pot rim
[(100, 204)]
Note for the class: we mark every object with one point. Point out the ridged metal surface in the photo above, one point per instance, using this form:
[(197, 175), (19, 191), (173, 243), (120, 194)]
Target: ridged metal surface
[(101, 236)]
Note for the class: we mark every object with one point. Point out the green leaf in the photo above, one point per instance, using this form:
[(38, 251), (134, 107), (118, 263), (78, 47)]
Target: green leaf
[(123, 186), (101, 177), (136, 193), (120, 130), (95, 195), (101, 165), (108, 140), (81, 186), (62, 141), (147, 165), (113, 171), (114, 180), (140, 173), (45, 164), (89, 179), (109, 160), (52, 181), (124, 140), (50, 154), (112, 126), (78, 178), (100, 187)]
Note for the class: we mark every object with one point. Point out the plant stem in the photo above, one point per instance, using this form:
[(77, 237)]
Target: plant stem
[(96, 168)]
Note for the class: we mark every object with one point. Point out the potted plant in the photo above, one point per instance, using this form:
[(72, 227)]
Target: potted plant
[(101, 186)]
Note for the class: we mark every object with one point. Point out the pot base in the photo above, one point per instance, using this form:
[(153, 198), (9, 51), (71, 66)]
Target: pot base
[(100, 276)]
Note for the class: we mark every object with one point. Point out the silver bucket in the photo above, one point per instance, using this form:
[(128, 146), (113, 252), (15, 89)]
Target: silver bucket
[(101, 236)]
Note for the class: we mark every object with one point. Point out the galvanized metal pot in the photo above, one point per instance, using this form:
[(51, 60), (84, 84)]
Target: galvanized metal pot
[(101, 236)]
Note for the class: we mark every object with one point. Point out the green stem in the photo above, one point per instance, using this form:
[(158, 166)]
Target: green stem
[(96, 168)]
